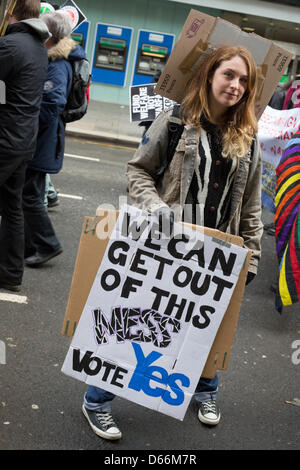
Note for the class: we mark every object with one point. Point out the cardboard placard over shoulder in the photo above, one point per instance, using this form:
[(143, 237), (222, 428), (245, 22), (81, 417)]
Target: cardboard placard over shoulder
[(200, 34), (91, 250)]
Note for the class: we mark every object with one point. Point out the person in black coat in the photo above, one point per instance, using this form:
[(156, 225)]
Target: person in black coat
[(23, 69), (41, 242)]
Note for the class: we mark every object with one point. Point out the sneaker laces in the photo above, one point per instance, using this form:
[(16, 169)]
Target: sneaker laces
[(105, 419), (210, 406)]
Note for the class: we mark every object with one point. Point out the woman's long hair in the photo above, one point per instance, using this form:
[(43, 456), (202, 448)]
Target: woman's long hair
[(239, 124)]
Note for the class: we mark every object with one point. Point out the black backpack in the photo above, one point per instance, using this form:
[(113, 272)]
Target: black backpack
[(175, 129), (78, 99)]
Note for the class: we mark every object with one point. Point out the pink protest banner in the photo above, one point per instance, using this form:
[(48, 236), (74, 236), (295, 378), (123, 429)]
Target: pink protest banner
[(275, 129)]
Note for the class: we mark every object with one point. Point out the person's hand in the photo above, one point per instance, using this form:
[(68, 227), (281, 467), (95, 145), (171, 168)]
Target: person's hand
[(250, 277), (165, 217)]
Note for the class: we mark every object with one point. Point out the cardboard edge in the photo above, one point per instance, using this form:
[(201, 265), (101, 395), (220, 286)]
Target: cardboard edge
[(216, 361), (88, 230)]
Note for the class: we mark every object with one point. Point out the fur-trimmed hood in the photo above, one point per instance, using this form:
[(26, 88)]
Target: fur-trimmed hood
[(62, 49)]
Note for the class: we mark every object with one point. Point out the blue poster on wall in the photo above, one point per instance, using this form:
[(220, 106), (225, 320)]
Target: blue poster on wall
[(152, 52), (111, 52), (81, 34)]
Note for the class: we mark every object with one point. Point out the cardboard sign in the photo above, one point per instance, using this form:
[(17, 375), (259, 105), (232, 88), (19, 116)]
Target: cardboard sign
[(275, 128), (95, 234), (200, 34), (76, 14), (145, 104), (153, 312)]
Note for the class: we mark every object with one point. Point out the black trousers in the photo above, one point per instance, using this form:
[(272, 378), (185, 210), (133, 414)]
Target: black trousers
[(12, 176), (39, 232)]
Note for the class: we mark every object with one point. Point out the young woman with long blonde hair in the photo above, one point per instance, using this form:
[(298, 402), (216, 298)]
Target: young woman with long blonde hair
[(213, 179)]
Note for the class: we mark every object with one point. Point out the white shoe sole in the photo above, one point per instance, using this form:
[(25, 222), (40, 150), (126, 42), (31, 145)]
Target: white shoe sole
[(105, 435), (211, 422)]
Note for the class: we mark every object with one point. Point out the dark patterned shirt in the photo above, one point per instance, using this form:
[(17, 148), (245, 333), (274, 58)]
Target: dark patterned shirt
[(212, 181)]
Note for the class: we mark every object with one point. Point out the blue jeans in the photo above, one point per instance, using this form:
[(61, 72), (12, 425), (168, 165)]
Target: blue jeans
[(97, 399), (50, 191)]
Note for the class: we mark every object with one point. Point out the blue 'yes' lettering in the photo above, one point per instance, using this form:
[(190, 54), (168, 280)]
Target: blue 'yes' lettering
[(144, 372)]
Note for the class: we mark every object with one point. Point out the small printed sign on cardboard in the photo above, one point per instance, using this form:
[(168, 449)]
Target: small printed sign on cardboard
[(153, 312), (145, 104)]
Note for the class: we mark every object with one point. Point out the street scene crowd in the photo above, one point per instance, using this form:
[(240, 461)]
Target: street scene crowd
[(213, 178)]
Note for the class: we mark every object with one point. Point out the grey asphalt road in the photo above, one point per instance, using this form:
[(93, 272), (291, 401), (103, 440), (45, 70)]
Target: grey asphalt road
[(40, 408)]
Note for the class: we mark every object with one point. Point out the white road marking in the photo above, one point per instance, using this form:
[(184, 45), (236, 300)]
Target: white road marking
[(71, 155), (70, 196), (98, 160), (19, 299)]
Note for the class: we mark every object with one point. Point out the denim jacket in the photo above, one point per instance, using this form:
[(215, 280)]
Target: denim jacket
[(172, 189)]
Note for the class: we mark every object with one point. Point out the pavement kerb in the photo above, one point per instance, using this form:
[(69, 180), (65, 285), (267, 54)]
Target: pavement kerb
[(106, 137)]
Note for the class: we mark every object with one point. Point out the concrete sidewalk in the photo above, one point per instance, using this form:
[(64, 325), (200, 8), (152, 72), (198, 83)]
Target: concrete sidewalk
[(107, 122)]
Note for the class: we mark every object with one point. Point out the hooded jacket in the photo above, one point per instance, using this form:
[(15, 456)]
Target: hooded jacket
[(173, 189), (23, 69), (49, 153)]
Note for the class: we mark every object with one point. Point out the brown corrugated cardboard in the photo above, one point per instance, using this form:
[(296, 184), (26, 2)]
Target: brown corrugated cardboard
[(89, 256), (199, 35)]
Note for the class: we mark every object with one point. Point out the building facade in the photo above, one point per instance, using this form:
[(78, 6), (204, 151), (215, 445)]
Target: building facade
[(128, 42)]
